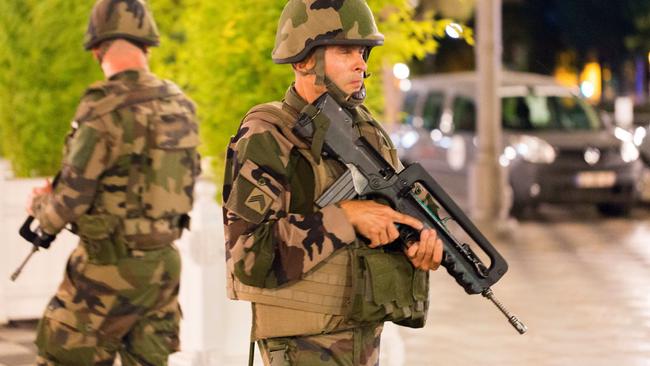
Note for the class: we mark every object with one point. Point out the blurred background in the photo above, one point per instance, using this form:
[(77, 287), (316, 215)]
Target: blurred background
[(532, 114)]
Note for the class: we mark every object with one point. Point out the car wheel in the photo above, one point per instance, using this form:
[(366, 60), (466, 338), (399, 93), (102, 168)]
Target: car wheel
[(521, 210), (614, 209)]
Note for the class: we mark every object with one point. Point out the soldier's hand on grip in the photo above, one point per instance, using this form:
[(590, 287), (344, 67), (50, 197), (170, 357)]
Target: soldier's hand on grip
[(427, 253), (37, 191), (376, 221)]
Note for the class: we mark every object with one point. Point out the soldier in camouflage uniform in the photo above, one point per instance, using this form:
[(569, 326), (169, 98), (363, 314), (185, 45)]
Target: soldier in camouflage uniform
[(126, 186), (321, 281)]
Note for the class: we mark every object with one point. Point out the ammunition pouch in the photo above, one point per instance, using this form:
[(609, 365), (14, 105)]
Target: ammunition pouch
[(147, 234), (108, 238), (386, 287), (98, 235)]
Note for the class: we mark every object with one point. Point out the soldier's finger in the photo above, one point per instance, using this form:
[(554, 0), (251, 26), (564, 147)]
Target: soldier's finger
[(413, 254), (383, 237), (406, 219), (437, 254), (419, 257), (374, 240), (429, 248), (412, 250), (393, 234)]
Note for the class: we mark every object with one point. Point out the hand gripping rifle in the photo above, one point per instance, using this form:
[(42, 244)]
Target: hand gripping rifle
[(369, 174), (37, 237)]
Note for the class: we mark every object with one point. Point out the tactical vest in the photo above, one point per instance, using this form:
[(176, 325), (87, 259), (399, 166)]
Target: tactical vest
[(325, 290), (146, 195), (329, 289)]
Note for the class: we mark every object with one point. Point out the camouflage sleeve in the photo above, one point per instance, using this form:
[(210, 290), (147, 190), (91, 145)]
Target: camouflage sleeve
[(89, 151), (267, 246)]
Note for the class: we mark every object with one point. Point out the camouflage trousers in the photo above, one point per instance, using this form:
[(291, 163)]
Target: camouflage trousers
[(122, 302), (352, 347)]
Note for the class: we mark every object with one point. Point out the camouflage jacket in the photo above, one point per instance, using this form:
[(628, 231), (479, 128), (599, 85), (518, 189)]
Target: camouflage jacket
[(133, 117), (274, 233)]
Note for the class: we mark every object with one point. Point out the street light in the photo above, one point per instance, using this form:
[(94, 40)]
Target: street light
[(401, 71), (405, 85), (454, 30)]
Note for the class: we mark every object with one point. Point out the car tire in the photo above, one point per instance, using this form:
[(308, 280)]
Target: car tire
[(614, 209), (522, 210)]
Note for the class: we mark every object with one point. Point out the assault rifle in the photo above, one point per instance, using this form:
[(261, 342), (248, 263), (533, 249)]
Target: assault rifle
[(369, 174), (37, 237)]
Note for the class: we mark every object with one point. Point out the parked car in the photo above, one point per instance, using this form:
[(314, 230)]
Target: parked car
[(556, 148)]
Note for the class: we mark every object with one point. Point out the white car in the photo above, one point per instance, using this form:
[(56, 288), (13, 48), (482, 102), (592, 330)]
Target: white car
[(555, 149)]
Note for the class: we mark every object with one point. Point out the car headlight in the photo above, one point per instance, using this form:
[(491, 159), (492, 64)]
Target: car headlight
[(409, 139), (533, 149), (629, 152), (639, 135)]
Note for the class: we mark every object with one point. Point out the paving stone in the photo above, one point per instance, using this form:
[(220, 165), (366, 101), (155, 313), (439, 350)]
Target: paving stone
[(579, 281)]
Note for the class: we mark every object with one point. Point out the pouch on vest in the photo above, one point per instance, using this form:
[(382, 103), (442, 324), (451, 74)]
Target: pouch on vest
[(387, 287), (170, 172), (98, 235)]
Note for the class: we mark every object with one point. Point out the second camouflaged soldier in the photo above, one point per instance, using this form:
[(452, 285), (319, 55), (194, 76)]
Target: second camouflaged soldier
[(126, 186), (321, 281)]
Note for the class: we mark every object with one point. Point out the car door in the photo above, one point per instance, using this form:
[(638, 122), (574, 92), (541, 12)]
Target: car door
[(421, 114), (457, 147)]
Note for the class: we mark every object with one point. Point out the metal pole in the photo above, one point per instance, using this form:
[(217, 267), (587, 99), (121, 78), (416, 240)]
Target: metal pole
[(486, 178)]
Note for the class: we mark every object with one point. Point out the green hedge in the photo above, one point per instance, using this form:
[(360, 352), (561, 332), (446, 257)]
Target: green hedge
[(44, 71), (218, 51)]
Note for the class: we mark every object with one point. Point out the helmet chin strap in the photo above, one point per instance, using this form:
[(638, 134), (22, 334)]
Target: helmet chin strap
[(348, 101)]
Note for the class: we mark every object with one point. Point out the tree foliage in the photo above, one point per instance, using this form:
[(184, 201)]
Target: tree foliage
[(44, 71), (231, 44), (219, 52)]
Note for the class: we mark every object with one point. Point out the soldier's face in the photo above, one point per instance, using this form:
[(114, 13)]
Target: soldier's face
[(345, 66)]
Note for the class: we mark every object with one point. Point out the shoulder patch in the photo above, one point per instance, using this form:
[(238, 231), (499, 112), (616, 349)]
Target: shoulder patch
[(253, 193), (258, 201)]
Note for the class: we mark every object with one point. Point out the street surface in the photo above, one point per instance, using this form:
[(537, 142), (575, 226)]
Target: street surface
[(580, 282)]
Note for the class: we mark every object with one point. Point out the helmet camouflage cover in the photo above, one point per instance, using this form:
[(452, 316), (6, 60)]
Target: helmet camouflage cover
[(128, 19), (305, 24)]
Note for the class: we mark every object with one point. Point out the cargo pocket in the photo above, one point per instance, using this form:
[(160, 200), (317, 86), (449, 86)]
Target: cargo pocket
[(67, 335), (97, 233), (421, 301), (76, 348), (383, 287)]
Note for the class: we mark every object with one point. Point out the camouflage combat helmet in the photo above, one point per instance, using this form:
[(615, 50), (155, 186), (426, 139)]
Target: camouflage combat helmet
[(305, 24), (129, 19)]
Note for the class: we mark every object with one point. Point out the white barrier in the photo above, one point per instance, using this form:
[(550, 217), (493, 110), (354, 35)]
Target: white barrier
[(214, 330), (27, 297)]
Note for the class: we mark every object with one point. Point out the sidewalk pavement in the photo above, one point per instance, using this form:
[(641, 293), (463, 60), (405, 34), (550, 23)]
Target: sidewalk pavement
[(17, 344)]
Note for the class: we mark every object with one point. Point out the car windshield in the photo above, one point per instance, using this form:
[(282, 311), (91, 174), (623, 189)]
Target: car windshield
[(552, 113)]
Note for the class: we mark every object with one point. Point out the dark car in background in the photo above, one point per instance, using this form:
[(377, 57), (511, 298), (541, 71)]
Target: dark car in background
[(640, 135), (555, 149)]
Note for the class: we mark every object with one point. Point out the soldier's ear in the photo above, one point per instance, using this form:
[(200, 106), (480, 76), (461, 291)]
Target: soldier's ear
[(306, 65), (302, 67), (95, 52)]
